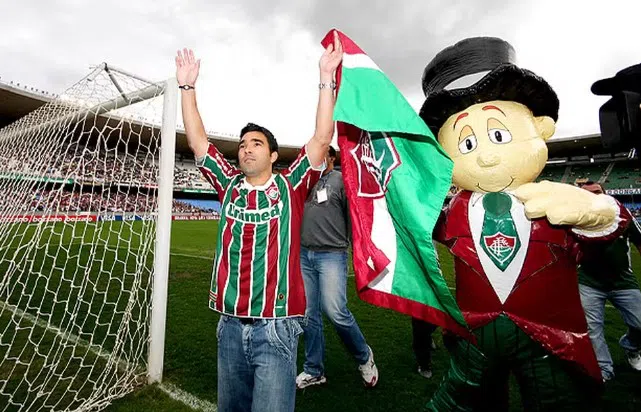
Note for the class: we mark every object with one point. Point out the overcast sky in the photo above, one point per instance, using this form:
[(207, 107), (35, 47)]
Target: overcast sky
[(260, 58)]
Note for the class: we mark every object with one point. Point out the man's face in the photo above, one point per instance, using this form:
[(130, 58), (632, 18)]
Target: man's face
[(496, 145), (254, 155), (329, 160)]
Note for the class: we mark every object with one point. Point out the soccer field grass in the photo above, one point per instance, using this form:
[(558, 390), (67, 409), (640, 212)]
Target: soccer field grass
[(190, 348), (190, 354), (73, 312)]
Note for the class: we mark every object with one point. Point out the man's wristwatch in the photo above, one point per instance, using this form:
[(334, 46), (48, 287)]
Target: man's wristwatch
[(331, 85), (186, 87)]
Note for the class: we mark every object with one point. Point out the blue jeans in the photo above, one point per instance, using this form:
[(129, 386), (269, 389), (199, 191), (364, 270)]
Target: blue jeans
[(325, 277), (257, 364), (628, 303)]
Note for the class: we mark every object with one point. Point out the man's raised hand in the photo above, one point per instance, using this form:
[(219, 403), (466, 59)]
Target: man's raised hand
[(332, 57), (187, 67)]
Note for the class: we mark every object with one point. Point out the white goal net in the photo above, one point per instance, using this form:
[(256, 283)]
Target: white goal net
[(78, 214)]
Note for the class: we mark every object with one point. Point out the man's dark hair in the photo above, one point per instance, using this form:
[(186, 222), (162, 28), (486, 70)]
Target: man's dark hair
[(332, 152), (271, 140), (590, 183)]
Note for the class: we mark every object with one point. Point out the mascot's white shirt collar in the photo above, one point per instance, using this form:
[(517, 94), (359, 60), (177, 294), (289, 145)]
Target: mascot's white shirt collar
[(501, 281)]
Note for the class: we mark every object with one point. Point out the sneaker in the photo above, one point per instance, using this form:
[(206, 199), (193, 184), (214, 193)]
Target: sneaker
[(425, 372), (634, 359), (369, 371), (305, 379)]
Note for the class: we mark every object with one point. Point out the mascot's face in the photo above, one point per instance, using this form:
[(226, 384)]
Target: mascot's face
[(496, 145)]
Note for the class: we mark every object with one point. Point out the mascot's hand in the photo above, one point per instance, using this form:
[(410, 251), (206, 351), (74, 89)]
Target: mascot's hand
[(564, 204)]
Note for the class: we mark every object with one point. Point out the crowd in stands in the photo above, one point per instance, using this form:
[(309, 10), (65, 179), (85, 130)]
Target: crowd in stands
[(187, 176), (93, 166), (180, 206), (60, 201), (139, 168), (89, 166)]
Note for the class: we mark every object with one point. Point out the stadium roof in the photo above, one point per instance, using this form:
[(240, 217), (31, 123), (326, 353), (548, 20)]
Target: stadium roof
[(587, 145), (17, 101)]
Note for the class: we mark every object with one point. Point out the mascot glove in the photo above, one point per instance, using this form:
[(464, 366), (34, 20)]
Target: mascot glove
[(569, 205)]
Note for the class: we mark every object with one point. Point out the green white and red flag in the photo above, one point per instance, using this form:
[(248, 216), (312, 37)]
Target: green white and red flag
[(396, 179)]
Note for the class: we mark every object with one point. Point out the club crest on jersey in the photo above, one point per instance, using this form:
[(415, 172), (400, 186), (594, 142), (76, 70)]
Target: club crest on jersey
[(272, 193), (501, 248), (375, 157)]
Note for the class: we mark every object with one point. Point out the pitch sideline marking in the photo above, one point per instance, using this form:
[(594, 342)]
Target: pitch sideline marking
[(173, 391)]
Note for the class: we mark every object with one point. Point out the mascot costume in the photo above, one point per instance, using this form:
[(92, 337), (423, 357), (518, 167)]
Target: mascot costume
[(515, 243)]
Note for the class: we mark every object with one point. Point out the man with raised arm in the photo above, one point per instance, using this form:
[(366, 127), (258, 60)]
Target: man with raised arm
[(257, 284)]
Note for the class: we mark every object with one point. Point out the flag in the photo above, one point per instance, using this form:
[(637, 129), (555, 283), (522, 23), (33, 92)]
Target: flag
[(396, 179)]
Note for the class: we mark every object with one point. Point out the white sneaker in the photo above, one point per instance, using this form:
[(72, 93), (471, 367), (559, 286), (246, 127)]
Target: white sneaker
[(304, 380), (426, 373), (369, 371), (634, 359)]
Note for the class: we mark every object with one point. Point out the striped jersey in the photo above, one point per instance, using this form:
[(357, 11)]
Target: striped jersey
[(257, 265)]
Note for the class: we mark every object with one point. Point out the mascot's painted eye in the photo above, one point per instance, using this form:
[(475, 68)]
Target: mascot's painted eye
[(499, 136), (468, 144)]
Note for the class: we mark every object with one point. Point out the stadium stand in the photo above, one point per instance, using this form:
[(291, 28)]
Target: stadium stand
[(582, 173), (202, 204), (552, 173), (572, 160), (67, 202), (187, 176), (616, 174), (624, 176)]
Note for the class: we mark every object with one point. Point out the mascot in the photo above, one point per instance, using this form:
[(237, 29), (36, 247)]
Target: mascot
[(515, 243)]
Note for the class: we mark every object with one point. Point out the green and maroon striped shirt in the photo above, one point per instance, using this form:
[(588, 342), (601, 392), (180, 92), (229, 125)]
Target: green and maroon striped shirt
[(257, 266)]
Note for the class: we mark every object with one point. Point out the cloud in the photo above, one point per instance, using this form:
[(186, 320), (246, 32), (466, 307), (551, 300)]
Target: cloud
[(260, 58), (401, 36)]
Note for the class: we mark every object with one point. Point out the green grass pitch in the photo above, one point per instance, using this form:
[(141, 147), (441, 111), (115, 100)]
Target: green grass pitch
[(190, 347)]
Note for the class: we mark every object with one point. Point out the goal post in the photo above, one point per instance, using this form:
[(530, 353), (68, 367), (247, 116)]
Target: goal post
[(163, 233), (86, 184)]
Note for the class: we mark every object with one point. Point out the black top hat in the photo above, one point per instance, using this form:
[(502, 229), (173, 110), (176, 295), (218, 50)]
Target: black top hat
[(628, 79), (505, 81)]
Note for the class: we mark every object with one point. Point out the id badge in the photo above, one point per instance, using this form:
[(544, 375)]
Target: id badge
[(321, 195)]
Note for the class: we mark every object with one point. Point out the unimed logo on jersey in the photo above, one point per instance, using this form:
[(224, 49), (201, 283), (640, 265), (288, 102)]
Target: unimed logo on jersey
[(253, 215)]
